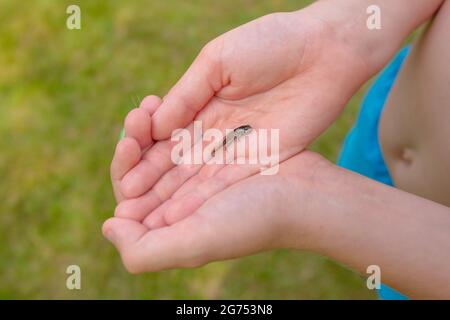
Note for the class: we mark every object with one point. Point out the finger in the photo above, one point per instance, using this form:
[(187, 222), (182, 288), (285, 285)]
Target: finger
[(142, 177), (155, 163), (204, 174), (194, 197), (190, 94), (185, 178), (196, 191), (138, 121), (140, 207), (137, 208), (123, 234), (174, 178), (180, 245), (126, 156), (168, 184), (150, 103), (150, 203), (138, 126), (155, 219), (211, 234), (158, 218), (215, 165)]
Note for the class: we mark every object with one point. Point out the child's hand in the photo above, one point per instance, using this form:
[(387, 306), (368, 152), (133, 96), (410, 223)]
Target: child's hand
[(286, 71), (259, 213), (137, 139), (256, 214)]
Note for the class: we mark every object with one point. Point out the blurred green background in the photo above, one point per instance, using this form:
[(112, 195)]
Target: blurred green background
[(63, 96)]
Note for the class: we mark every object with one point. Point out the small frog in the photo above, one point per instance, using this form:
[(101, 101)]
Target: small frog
[(233, 136)]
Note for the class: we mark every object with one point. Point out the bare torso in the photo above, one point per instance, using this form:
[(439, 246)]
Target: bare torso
[(415, 124)]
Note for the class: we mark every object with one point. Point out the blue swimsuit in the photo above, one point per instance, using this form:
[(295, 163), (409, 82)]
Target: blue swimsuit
[(361, 151)]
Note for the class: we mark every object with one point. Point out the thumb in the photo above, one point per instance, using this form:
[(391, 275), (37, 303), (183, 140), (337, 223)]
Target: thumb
[(124, 233), (191, 93), (184, 244)]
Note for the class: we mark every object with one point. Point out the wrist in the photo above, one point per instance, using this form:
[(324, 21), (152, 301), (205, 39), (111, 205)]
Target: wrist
[(347, 19), (325, 203), (309, 197)]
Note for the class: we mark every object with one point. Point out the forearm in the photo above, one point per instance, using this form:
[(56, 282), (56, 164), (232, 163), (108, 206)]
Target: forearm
[(398, 19), (360, 222)]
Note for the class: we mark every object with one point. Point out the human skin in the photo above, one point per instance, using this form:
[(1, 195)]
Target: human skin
[(414, 128), (310, 204), (217, 224), (304, 63)]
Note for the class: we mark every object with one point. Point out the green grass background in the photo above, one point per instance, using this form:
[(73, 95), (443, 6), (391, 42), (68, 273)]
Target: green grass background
[(63, 96)]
